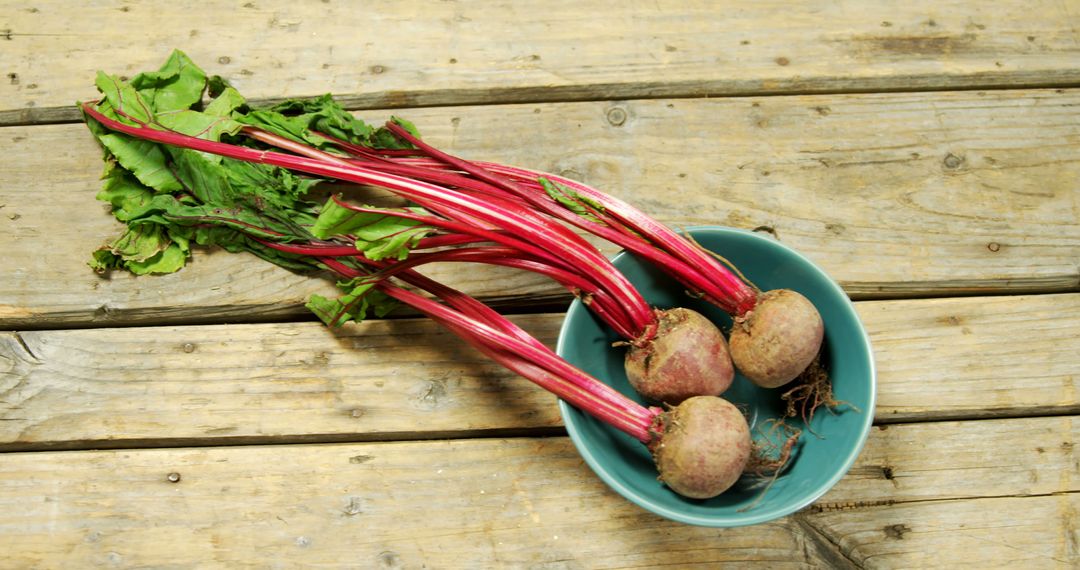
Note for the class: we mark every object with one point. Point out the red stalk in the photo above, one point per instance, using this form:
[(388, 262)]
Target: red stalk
[(444, 240), (618, 233), (489, 187), (554, 237), (730, 287), (615, 314), (605, 308), (655, 242), (491, 334)]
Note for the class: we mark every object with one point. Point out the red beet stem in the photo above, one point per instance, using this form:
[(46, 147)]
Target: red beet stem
[(493, 255), (553, 236), (729, 287), (622, 223), (615, 314), (497, 337)]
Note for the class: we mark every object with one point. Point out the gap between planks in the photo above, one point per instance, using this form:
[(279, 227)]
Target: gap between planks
[(33, 116), (537, 305), (284, 440), (417, 436)]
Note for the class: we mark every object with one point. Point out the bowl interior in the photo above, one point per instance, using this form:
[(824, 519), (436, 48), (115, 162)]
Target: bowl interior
[(819, 461)]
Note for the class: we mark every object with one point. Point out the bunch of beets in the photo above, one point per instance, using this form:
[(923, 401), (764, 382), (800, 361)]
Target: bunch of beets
[(189, 161)]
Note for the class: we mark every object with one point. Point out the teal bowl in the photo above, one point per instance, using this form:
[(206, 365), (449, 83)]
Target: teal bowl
[(819, 461)]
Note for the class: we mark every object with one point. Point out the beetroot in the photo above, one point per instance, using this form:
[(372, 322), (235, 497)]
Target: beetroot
[(704, 447), (775, 341), (688, 357), (185, 197)]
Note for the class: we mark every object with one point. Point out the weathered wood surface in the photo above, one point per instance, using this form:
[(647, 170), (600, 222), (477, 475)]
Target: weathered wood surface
[(898, 195), (931, 461), (1006, 532), (975, 357), (379, 55), (408, 379), (392, 379), (400, 503), (463, 503), (923, 149)]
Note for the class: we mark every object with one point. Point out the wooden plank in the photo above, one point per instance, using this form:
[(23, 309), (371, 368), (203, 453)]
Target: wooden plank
[(898, 507), (392, 55), (1017, 457), (897, 195), (406, 379), (527, 501), (395, 379), (975, 357), (1006, 532), (461, 504)]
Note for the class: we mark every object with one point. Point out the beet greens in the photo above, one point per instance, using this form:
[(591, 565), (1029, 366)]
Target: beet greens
[(452, 210), (180, 172)]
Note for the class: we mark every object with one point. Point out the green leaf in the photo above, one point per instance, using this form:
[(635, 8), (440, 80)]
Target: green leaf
[(169, 260), (301, 119), (216, 85), (383, 138), (172, 198), (144, 159), (142, 249), (140, 242), (178, 85), (240, 218), (201, 125), (225, 102), (325, 115), (120, 95), (129, 197), (235, 241), (360, 298), (571, 200), (204, 174), (292, 128), (378, 235), (394, 244), (228, 184), (276, 186)]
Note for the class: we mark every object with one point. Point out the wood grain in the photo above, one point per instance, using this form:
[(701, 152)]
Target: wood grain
[(379, 55), (994, 493), (925, 154), (933, 461), (898, 195), (975, 357), (1005, 532), (440, 503), (407, 379), (463, 503), (390, 379)]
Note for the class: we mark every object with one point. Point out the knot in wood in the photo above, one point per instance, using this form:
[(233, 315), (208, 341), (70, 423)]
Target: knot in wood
[(616, 116), (953, 162)]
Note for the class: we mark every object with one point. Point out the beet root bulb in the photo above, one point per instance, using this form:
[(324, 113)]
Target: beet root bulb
[(687, 357), (775, 341), (704, 447)]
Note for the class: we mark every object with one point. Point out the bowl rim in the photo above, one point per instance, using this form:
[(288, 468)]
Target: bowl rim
[(748, 518)]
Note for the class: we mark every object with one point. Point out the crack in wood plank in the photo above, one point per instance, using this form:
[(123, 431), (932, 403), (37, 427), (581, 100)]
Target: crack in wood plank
[(25, 347), (824, 544), (826, 507), (611, 92)]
